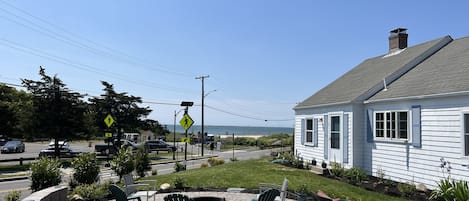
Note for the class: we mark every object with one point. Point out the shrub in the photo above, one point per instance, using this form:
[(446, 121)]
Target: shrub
[(338, 170), (406, 189), (380, 174), (86, 168), (13, 195), (178, 167), (203, 165), (179, 182), (450, 190), (154, 172), (142, 162), (91, 191), (45, 173), (215, 161), (122, 163), (355, 174)]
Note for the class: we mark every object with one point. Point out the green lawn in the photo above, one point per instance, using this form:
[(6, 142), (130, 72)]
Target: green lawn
[(248, 174)]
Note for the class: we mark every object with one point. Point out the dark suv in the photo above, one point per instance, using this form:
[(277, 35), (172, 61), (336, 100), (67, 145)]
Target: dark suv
[(158, 145)]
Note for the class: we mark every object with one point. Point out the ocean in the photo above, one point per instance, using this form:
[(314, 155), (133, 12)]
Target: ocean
[(237, 130)]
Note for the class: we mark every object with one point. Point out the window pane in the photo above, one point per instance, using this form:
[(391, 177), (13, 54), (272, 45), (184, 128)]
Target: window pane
[(379, 123), (309, 136), (335, 132), (403, 125), (466, 123), (335, 140), (466, 143), (335, 123), (309, 124)]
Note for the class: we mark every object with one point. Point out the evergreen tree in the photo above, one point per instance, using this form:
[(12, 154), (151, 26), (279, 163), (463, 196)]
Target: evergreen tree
[(57, 111)]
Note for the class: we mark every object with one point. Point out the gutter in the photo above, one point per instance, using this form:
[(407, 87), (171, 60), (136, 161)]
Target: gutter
[(450, 94), (321, 105)]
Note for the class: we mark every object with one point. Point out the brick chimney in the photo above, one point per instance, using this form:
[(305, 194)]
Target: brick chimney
[(397, 39)]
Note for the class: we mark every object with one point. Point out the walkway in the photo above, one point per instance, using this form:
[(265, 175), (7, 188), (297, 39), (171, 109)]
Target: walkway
[(229, 196)]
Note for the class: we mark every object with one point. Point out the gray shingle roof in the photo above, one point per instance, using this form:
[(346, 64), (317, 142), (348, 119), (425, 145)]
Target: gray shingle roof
[(447, 71), (366, 79)]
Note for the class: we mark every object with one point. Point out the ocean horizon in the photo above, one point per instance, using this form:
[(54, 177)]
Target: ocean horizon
[(237, 130)]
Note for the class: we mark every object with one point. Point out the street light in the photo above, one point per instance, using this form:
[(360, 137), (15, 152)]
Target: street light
[(174, 132)]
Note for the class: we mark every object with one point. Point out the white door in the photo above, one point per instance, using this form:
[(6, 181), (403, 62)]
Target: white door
[(335, 139)]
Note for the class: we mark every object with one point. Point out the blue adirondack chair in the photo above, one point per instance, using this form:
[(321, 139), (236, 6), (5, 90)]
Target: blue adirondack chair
[(177, 197), (120, 195), (268, 195)]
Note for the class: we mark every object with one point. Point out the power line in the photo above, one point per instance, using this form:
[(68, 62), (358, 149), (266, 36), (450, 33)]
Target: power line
[(89, 68), (60, 37)]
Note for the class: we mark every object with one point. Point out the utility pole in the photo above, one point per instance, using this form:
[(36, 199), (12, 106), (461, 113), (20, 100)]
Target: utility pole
[(203, 96)]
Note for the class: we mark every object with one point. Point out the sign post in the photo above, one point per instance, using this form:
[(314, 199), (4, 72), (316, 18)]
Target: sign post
[(186, 122), (108, 121)]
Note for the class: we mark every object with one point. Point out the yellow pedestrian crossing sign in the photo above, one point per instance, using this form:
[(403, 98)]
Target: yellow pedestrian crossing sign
[(186, 121), (108, 120)]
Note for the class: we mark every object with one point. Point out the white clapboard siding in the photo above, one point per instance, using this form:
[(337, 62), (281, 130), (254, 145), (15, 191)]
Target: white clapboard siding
[(440, 137)]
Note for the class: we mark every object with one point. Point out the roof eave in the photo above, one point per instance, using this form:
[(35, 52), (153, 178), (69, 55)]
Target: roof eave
[(449, 94)]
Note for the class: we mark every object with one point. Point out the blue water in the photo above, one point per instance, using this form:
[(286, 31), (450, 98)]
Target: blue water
[(237, 130)]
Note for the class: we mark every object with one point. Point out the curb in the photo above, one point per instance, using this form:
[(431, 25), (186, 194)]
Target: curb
[(13, 178), (191, 159)]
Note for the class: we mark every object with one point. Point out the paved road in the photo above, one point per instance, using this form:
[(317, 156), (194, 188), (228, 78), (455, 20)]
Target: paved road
[(23, 185)]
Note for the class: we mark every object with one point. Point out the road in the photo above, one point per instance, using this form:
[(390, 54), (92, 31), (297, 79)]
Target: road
[(23, 185)]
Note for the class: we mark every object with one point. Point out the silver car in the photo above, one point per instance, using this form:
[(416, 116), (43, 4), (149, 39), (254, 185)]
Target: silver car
[(13, 146)]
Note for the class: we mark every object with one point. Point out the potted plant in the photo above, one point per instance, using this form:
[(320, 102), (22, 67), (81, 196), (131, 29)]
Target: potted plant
[(324, 165), (313, 162)]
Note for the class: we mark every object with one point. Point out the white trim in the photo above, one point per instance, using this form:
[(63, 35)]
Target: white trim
[(321, 105), (341, 138), (459, 93), (386, 139)]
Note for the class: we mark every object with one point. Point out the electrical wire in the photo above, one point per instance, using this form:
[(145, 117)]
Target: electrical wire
[(60, 37)]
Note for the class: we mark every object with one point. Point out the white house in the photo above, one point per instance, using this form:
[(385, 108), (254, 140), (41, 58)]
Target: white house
[(398, 113)]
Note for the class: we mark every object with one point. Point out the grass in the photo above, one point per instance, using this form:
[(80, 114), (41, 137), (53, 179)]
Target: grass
[(8, 168), (248, 174)]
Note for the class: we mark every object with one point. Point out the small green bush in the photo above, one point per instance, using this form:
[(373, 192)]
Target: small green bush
[(13, 196), (91, 191), (142, 162), (215, 161), (178, 167), (123, 162), (86, 168), (179, 182), (450, 190), (45, 173), (406, 189), (203, 165), (355, 174), (338, 170)]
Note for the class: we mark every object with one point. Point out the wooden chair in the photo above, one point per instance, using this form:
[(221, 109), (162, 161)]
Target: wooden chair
[(120, 195), (177, 197), (268, 195), (130, 187)]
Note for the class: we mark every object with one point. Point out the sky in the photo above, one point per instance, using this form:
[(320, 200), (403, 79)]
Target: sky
[(262, 56)]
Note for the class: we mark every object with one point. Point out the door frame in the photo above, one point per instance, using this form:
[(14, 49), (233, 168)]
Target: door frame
[(336, 155)]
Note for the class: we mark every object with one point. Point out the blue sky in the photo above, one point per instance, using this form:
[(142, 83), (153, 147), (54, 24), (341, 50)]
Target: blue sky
[(263, 56)]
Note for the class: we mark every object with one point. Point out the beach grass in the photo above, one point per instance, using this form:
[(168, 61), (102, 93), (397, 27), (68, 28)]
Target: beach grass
[(248, 174)]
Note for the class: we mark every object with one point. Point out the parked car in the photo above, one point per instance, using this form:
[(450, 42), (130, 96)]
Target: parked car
[(158, 145), (13, 146), (65, 152), (104, 149)]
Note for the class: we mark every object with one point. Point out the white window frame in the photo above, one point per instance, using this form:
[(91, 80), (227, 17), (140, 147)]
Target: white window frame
[(307, 130), (396, 123)]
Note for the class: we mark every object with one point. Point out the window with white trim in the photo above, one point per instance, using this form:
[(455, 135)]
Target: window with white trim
[(466, 134), (392, 125), (309, 131)]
